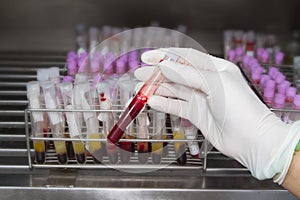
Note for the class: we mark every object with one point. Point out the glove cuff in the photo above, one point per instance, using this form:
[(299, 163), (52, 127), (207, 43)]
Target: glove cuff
[(285, 156)]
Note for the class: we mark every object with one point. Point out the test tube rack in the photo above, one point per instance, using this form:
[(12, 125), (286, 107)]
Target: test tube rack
[(167, 161)]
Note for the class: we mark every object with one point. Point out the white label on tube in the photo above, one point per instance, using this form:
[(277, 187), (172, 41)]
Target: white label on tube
[(54, 116), (73, 128), (190, 134)]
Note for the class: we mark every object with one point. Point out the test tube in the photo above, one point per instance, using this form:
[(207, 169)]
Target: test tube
[(268, 95), (250, 43), (92, 126), (95, 63), (290, 94), (107, 119), (73, 122), (178, 134), (55, 78), (138, 103), (281, 88), (159, 122), (56, 121), (255, 76), (33, 95), (279, 56), (191, 133), (143, 133), (263, 79), (72, 63), (42, 77), (83, 63)]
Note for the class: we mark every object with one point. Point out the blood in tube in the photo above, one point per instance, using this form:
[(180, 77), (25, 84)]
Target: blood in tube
[(135, 107)]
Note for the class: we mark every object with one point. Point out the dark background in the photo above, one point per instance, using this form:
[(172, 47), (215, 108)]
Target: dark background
[(49, 25)]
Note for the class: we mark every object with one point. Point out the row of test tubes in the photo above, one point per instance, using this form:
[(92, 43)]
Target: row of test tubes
[(276, 89), (238, 43), (80, 90)]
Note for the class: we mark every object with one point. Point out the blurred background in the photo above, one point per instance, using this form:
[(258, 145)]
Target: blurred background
[(50, 25)]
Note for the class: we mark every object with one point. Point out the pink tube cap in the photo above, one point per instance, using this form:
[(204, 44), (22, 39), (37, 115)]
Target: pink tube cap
[(270, 84), (279, 101), (279, 78), (263, 79), (296, 102), (279, 58), (291, 91)]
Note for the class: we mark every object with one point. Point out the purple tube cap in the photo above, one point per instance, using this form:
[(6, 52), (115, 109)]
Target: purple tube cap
[(291, 91), (269, 92), (71, 64), (239, 51), (263, 79), (231, 55), (255, 75), (259, 51), (72, 54), (296, 102), (279, 57), (270, 84), (279, 78), (120, 66)]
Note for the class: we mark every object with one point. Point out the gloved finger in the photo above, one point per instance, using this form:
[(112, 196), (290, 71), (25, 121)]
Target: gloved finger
[(198, 113), (189, 76), (174, 90), (168, 105), (144, 73)]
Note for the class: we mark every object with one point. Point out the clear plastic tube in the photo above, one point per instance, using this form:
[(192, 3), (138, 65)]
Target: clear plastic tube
[(143, 133), (42, 77), (107, 119), (72, 120), (190, 132), (92, 126), (33, 95), (56, 121), (159, 121), (178, 134)]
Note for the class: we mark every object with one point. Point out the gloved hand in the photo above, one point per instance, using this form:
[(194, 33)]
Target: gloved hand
[(214, 96)]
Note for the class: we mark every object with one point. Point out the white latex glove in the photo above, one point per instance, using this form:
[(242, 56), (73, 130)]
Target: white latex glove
[(214, 96)]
